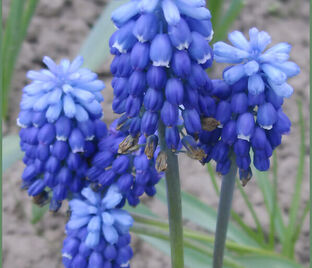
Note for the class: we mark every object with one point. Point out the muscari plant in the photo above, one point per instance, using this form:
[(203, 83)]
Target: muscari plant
[(167, 105)]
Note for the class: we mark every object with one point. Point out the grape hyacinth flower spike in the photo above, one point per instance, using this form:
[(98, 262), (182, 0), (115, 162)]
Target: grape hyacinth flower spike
[(250, 114), (133, 172), (161, 50), (97, 231), (249, 110), (60, 126)]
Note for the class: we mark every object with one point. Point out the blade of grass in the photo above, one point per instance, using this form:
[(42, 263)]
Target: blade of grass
[(261, 236), (27, 15), (213, 178), (164, 235), (15, 32), (228, 19), (10, 45), (275, 200), (215, 7), (266, 187), (205, 216), (301, 221), (288, 245), (199, 235)]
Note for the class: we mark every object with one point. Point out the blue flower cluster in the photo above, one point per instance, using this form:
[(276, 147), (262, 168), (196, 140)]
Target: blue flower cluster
[(161, 50), (59, 116), (133, 172), (160, 86), (247, 104), (98, 231)]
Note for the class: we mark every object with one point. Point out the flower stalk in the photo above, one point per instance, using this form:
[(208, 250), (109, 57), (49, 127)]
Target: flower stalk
[(174, 202), (224, 212)]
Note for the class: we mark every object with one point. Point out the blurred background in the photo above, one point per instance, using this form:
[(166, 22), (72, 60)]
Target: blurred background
[(58, 30)]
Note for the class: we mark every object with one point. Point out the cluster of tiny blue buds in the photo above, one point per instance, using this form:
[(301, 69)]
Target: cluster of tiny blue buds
[(247, 104), (161, 50), (59, 116), (132, 171), (162, 92), (98, 231)]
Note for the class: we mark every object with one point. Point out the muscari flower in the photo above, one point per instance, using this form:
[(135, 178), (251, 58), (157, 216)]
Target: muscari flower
[(132, 171), (97, 231), (248, 118), (161, 50), (59, 116), (264, 69)]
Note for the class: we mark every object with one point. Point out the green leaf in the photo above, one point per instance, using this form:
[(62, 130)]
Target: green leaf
[(252, 211), (215, 7), (289, 244), (260, 261), (38, 212), (204, 216), (228, 19), (193, 258), (11, 151), (95, 48), (11, 45), (199, 256), (262, 179)]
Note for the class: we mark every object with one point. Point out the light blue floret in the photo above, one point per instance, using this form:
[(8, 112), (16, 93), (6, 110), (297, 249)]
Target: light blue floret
[(62, 89), (100, 216), (173, 9), (270, 67)]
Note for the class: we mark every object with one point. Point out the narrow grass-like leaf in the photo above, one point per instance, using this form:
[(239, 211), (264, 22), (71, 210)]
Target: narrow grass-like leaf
[(260, 261), (11, 152), (198, 236), (288, 245), (228, 19), (275, 201), (300, 222), (196, 255), (252, 211), (95, 48), (266, 188), (11, 44), (17, 24), (213, 178), (27, 15), (215, 7), (199, 213)]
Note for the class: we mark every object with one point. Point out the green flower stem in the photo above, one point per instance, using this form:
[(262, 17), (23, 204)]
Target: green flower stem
[(224, 212), (174, 202)]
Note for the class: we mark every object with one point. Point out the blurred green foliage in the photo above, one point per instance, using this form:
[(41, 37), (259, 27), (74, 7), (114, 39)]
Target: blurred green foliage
[(15, 30)]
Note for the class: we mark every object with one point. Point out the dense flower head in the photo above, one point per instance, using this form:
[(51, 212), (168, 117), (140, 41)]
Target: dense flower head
[(59, 116), (264, 69), (244, 122), (61, 90), (161, 52), (97, 231), (245, 109), (126, 166)]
